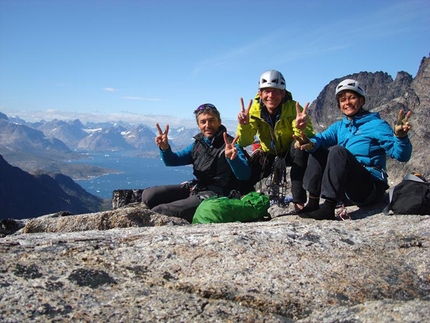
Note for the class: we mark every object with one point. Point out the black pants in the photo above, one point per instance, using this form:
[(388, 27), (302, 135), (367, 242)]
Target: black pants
[(336, 174), (263, 167), (174, 200)]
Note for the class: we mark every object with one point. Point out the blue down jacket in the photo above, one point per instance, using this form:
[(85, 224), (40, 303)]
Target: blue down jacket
[(369, 139)]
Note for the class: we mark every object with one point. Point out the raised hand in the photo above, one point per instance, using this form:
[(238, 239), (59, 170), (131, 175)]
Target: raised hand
[(402, 125), (243, 116), (303, 142), (301, 116), (161, 140), (230, 149)]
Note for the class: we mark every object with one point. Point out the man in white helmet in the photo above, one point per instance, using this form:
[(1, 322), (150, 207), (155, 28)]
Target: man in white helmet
[(275, 117), (348, 159)]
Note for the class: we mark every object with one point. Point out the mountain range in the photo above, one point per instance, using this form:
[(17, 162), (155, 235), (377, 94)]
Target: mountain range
[(49, 145)]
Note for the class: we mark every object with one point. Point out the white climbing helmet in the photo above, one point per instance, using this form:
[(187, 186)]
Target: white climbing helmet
[(272, 78), (352, 85)]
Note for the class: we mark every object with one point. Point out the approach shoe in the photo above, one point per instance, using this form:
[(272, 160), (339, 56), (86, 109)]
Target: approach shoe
[(325, 212), (307, 209)]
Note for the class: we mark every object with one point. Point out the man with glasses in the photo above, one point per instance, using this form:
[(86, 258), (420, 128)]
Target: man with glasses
[(275, 117), (218, 164)]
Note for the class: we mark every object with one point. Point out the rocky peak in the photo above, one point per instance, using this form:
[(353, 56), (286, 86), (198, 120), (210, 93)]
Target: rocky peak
[(3, 116), (154, 270), (421, 86)]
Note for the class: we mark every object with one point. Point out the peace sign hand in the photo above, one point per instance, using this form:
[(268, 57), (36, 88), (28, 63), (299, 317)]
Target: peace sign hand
[(243, 116), (230, 149), (161, 140), (402, 124), (301, 116)]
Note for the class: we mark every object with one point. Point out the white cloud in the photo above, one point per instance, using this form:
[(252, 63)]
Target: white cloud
[(110, 89)]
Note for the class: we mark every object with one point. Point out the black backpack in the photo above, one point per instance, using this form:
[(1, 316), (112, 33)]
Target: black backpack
[(410, 196)]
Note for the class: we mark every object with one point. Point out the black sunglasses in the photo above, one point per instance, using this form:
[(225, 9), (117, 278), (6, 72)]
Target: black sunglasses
[(206, 106)]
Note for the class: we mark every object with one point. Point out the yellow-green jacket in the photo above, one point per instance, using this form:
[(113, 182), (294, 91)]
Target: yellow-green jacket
[(275, 141)]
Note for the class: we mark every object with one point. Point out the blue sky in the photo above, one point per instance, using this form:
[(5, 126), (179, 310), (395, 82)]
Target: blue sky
[(158, 60)]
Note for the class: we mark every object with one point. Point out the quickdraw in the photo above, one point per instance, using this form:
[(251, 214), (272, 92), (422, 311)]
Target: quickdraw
[(342, 214)]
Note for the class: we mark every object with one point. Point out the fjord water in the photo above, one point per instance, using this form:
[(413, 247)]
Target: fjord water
[(132, 173)]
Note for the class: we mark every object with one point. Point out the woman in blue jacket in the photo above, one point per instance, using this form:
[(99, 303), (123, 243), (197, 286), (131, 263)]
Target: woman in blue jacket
[(348, 159)]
